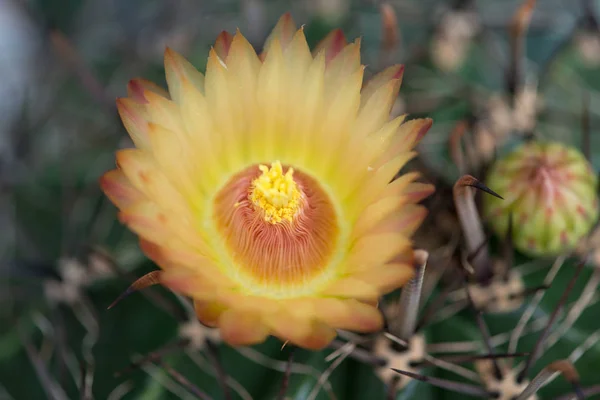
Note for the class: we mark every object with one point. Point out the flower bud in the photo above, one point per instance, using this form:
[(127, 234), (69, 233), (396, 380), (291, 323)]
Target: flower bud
[(550, 190)]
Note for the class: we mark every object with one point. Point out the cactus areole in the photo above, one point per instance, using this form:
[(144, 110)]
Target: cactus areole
[(550, 189)]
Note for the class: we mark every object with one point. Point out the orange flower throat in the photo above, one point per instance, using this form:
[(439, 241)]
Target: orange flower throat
[(280, 227)]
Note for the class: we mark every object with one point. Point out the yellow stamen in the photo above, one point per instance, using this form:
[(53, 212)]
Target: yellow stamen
[(276, 194)]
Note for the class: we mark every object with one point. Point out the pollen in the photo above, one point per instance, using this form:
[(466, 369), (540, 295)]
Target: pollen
[(276, 194)]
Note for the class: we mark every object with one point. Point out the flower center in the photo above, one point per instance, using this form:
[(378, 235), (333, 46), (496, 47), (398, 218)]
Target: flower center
[(279, 230), (276, 194)]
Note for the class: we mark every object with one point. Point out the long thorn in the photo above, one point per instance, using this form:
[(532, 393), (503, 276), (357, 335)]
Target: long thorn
[(434, 306), (410, 298), (213, 352), (575, 310), (485, 334), (286, 376), (153, 357), (535, 354), (360, 354), (530, 310), (459, 359), (585, 392), (458, 387), (183, 381), (563, 367)]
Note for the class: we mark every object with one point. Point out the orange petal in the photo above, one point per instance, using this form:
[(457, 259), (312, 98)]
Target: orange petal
[(405, 222), (375, 213), (352, 288), (387, 277), (332, 44), (133, 116), (305, 333), (137, 87), (348, 314), (376, 249), (400, 185), (223, 44), (147, 220), (417, 191), (119, 190), (190, 283), (176, 253), (239, 328), (250, 303), (209, 312)]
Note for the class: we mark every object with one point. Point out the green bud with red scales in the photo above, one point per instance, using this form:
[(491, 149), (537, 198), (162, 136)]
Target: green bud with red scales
[(551, 191)]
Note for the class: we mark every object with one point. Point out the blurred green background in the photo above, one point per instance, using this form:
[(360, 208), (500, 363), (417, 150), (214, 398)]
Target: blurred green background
[(65, 257)]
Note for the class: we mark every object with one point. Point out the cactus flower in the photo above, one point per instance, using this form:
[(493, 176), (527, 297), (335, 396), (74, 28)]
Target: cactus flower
[(265, 189), (550, 190)]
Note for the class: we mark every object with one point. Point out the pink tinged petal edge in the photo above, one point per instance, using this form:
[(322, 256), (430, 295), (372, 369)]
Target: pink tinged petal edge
[(223, 44), (119, 190), (332, 44), (137, 87)]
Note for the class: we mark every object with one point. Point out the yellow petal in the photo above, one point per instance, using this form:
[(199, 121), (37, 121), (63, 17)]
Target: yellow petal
[(387, 277), (179, 71), (409, 134), (309, 334), (242, 328), (391, 73), (209, 312), (348, 314), (351, 288), (281, 35), (119, 190), (331, 45), (376, 249), (133, 116), (137, 87)]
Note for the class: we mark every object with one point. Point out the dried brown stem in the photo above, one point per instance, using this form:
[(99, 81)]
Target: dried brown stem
[(455, 144), (389, 23), (464, 201), (67, 51), (518, 29), (585, 127)]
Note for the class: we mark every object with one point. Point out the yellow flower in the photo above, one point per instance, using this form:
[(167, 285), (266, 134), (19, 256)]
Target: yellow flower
[(263, 189)]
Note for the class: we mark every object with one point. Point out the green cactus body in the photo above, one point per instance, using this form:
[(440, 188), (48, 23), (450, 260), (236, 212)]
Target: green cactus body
[(550, 189)]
